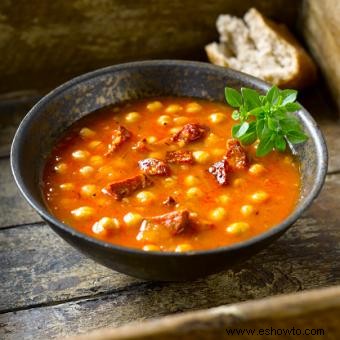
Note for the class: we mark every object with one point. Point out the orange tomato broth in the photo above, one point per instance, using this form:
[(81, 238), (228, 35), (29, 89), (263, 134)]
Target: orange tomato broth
[(279, 177)]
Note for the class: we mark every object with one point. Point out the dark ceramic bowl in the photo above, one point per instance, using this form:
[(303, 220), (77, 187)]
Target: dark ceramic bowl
[(47, 120)]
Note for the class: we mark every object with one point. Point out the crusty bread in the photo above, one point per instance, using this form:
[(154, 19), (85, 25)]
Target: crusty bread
[(262, 48)]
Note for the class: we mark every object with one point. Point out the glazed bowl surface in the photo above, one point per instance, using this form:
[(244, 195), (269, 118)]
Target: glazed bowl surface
[(48, 119)]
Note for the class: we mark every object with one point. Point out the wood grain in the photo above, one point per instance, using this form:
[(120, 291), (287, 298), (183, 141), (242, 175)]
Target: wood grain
[(309, 310), (13, 208), (42, 271), (67, 38), (321, 28)]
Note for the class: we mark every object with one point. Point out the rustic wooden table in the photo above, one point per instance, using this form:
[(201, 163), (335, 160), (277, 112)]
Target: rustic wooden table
[(48, 289)]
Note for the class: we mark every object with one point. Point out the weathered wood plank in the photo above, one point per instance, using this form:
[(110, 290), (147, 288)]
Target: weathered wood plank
[(323, 40), (13, 208), (305, 257), (332, 136), (66, 38), (39, 267)]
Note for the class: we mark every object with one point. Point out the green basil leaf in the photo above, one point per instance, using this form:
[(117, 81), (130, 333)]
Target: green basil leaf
[(273, 95), (233, 97), (265, 146), (289, 96), (242, 130), (289, 123), (296, 137), (250, 136), (280, 143), (235, 129), (256, 111), (292, 107), (262, 99), (235, 115), (273, 124), (250, 98), (260, 127)]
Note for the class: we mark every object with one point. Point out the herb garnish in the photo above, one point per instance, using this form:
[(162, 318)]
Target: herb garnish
[(267, 118)]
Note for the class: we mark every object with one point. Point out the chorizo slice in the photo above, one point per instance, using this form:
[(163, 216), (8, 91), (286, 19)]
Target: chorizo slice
[(236, 155), (126, 187), (190, 132), (141, 146), (169, 201), (154, 167), (162, 227), (179, 157), (119, 137), (221, 170)]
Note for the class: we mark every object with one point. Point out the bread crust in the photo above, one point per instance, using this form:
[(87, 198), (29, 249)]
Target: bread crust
[(305, 73)]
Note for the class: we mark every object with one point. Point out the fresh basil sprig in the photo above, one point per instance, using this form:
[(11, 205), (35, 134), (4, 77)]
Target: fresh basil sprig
[(267, 118)]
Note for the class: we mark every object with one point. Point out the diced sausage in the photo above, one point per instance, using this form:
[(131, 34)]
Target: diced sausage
[(164, 226), (179, 157), (153, 166), (126, 187), (141, 146), (190, 133), (236, 155), (221, 170), (169, 201), (119, 136)]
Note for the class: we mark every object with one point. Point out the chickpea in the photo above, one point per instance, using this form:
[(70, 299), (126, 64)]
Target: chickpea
[(89, 190), (237, 228), (211, 139), (217, 117), (218, 214), (60, 168), (288, 160), (181, 248), (259, 197), (181, 120), (86, 170), (154, 106), (151, 247), (164, 120), (94, 144), (191, 180), (145, 197), (194, 192), (247, 210), (80, 154), (173, 108), (193, 107), (105, 224), (132, 219), (170, 181), (66, 186), (96, 160), (238, 182), (83, 213), (105, 169), (257, 169), (174, 130), (132, 117), (223, 199), (201, 157), (151, 139), (86, 133)]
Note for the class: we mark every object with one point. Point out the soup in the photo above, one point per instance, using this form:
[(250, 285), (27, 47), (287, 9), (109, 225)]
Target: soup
[(165, 175)]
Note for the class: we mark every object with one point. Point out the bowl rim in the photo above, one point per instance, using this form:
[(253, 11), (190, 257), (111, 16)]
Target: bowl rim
[(278, 229)]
